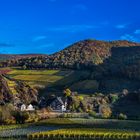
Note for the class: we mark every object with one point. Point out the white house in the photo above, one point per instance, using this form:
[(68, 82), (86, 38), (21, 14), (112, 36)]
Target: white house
[(63, 108), (23, 107), (29, 108)]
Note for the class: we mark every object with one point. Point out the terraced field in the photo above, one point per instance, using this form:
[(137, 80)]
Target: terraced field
[(12, 85), (58, 79), (42, 77)]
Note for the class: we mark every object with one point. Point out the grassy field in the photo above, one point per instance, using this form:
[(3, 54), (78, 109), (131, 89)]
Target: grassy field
[(82, 123), (92, 123)]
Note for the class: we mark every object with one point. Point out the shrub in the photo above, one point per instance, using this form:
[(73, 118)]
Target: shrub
[(20, 117), (105, 111), (63, 116), (113, 98), (1, 117), (122, 116), (92, 114), (6, 113), (98, 94), (81, 98), (67, 92)]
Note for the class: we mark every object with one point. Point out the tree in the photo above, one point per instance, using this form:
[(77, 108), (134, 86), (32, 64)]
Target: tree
[(122, 116), (113, 98), (20, 117), (24, 67), (105, 111), (6, 112), (67, 92), (96, 59), (1, 117)]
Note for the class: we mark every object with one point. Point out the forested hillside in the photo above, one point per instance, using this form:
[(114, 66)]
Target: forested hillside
[(111, 66), (81, 55), (16, 92), (5, 57)]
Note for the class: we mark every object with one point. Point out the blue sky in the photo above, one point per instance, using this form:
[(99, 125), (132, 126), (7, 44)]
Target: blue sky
[(47, 26)]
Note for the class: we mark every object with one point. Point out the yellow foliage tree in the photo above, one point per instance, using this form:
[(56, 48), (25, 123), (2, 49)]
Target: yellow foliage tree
[(105, 111), (67, 92)]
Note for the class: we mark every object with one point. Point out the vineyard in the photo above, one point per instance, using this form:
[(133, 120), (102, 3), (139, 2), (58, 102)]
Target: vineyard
[(86, 133), (7, 127), (23, 132), (73, 129)]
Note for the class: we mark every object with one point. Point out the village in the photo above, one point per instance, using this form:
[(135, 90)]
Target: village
[(58, 105), (69, 105)]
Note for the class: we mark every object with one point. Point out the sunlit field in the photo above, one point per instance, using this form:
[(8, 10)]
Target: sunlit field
[(86, 133), (60, 128), (47, 78), (38, 77)]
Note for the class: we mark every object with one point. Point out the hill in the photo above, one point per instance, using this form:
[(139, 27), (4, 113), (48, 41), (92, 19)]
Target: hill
[(81, 55), (110, 66), (4, 57), (86, 53)]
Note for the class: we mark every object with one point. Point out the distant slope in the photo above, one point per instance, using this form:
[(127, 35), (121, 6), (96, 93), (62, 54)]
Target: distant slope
[(4, 57)]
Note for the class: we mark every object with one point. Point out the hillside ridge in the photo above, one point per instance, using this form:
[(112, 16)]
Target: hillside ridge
[(15, 91)]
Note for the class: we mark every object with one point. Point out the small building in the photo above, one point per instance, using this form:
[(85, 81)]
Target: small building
[(23, 107), (28, 108), (59, 105), (63, 108)]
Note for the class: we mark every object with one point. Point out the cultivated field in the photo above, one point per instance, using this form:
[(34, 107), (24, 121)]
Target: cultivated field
[(73, 129), (39, 77), (87, 129), (55, 79), (86, 134)]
